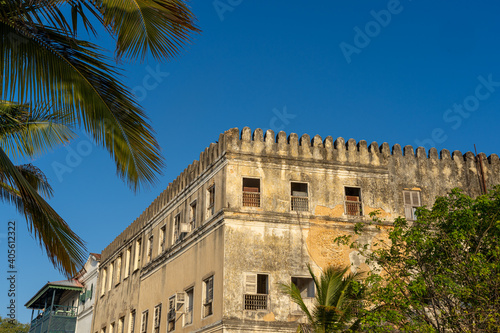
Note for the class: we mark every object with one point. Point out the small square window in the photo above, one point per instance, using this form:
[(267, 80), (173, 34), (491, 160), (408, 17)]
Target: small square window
[(256, 291), (353, 205), (305, 286), (299, 197), (251, 192), (412, 202)]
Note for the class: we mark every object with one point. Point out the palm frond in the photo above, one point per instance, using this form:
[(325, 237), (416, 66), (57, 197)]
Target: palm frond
[(294, 293), (29, 132), (77, 79), (64, 248), (161, 27)]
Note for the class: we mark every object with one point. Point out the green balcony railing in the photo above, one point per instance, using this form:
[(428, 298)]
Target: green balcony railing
[(58, 319)]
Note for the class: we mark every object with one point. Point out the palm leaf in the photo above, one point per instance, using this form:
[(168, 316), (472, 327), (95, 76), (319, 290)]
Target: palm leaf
[(162, 27), (28, 132), (64, 248), (77, 79)]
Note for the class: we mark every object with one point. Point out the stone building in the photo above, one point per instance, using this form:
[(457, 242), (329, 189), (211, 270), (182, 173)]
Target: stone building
[(209, 253)]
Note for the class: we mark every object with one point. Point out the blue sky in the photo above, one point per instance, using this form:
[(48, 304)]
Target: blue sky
[(411, 72)]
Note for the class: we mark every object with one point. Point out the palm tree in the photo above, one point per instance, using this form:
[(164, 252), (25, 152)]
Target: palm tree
[(28, 133), (43, 62), (336, 304)]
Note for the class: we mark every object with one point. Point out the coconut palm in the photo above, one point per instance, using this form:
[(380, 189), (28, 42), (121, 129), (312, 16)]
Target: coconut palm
[(27, 133), (336, 304), (43, 61)]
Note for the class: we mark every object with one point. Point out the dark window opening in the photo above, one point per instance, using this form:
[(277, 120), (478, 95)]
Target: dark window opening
[(251, 192)]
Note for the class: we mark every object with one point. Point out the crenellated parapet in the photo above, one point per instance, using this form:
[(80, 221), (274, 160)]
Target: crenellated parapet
[(339, 152)]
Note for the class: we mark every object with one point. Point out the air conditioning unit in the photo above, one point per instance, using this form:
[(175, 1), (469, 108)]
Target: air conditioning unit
[(184, 227)]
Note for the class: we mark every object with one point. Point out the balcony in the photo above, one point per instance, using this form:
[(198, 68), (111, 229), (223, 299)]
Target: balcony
[(300, 203), (251, 199), (255, 302), (60, 319), (353, 208)]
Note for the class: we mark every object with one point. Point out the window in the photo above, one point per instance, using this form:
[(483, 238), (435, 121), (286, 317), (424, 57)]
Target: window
[(112, 328), (210, 200), (150, 248), (412, 201), (192, 216), (90, 292), (251, 192), (131, 322), (137, 260), (118, 269), (188, 316), (171, 314), (110, 284), (103, 330), (307, 291), (305, 286), (256, 290), (144, 322), (157, 318), (127, 261), (353, 201), (120, 325), (208, 296), (103, 281), (161, 243), (181, 228), (299, 197)]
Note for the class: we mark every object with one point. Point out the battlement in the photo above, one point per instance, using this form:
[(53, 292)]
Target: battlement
[(350, 152), (339, 152)]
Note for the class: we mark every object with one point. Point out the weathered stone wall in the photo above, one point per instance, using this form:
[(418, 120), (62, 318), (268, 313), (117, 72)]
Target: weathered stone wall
[(271, 239)]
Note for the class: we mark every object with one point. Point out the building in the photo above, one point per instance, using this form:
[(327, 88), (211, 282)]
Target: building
[(209, 253), (66, 306), (56, 306), (88, 278)]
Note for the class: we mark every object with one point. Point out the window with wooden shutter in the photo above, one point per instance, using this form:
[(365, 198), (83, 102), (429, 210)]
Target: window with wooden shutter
[(157, 317), (208, 286), (411, 202), (251, 192), (188, 313), (144, 322), (256, 290), (250, 283), (353, 205), (299, 200), (132, 322), (120, 325), (171, 314)]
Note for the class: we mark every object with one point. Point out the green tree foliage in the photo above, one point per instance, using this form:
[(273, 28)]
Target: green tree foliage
[(44, 63), (12, 326), (440, 273), (338, 298)]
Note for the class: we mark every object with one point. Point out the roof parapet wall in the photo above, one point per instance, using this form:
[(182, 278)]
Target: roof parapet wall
[(280, 145)]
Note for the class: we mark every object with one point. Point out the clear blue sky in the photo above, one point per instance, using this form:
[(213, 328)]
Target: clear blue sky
[(412, 77)]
